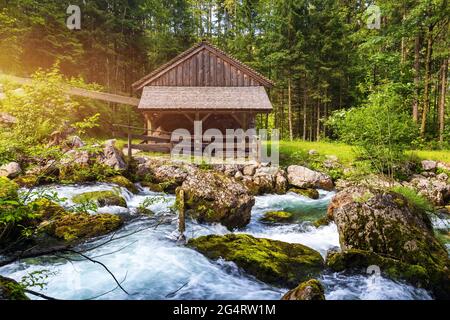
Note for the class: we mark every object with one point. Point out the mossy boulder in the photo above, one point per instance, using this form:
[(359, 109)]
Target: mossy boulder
[(11, 290), (45, 209), (27, 181), (167, 175), (308, 290), (277, 217), (323, 221), (387, 224), (435, 280), (309, 193), (121, 181), (102, 198), (79, 226), (8, 189), (271, 261), (159, 187), (212, 197)]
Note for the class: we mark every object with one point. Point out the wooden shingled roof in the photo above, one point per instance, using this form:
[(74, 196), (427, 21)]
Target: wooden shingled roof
[(158, 98), (204, 65)]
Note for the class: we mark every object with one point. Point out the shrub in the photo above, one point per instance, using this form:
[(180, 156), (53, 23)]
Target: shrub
[(380, 130)]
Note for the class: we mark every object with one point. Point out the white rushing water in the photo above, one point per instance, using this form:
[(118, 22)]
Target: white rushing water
[(151, 265)]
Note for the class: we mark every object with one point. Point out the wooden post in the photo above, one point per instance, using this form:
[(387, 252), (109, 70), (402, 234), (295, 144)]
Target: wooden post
[(130, 154), (181, 216), (258, 150)]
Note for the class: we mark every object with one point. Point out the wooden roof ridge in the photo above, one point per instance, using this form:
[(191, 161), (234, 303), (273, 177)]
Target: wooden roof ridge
[(192, 51)]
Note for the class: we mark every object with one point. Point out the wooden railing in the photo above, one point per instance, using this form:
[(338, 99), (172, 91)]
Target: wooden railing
[(161, 141)]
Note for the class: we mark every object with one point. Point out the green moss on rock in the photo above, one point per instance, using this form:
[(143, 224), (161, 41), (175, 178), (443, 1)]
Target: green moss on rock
[(102, 198), (433, 279), (8, 189), (121, 181), (324, 221), (79, 226), (277, 217), (308, 290), (46, 209), (11, 290), (212, 197), (309, 193), (156, 187), (271, 261), (27, 181)]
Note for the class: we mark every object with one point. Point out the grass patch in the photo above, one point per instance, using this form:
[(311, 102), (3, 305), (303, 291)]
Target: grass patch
[(344, 152), (436, 155), (296, 152), (419, 202)]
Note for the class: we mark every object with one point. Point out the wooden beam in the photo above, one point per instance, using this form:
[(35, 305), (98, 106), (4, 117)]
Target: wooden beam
[(235, 117), (245, 121), (188, 116), (206, 117)]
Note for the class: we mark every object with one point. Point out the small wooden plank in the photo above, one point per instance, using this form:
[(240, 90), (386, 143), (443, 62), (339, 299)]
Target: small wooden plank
[(233, 73), (213, 77), (207, 68), (162, 138), (160, 147)]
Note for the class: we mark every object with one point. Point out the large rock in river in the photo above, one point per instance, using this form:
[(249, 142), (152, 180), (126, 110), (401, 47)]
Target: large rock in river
[(302, 177), (308, 290), (101, 198), (73, 227), (275, 262), (387, 224), (163, 174), (11, 290), (211, 197)]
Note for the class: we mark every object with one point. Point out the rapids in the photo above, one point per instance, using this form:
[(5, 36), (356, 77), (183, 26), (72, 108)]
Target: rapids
[(150, 264)]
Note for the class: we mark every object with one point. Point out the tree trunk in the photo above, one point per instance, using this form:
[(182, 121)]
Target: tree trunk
[(443, 100), (426, 95), (416, 79), (291, 134), (318, 120), (305, 104)]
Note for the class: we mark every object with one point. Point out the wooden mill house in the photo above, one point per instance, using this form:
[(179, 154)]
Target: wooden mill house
[(201, 84)]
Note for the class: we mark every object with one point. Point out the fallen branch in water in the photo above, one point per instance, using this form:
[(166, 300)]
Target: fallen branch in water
[(105, 293), (40, 295), (103, 265), (176, 291)]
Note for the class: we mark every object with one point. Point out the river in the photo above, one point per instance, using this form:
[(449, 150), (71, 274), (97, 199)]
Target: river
[(150, 264)]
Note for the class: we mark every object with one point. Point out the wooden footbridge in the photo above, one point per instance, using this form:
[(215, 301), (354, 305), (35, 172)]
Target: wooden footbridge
[(75, 91)]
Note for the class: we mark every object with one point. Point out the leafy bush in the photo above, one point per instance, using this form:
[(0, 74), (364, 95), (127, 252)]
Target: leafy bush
[(380, 130)]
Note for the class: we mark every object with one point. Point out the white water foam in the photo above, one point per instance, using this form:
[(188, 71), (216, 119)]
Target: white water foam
[(152, 265)]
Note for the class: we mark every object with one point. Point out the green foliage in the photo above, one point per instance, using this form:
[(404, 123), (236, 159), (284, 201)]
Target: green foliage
[(380, 130), (418, 201), (38, 278), (40, 108), (77, 173), (88, 123)]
